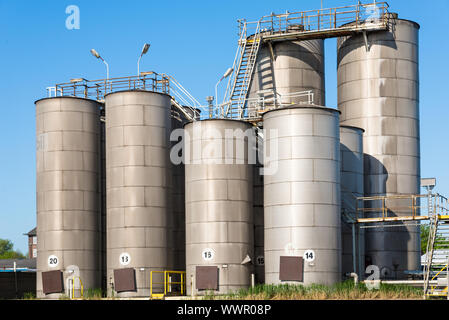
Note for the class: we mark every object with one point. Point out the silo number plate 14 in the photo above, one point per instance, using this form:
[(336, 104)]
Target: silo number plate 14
[(309, 255)]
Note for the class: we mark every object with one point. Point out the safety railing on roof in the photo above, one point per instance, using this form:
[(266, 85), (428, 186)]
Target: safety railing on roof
[(360, 16), (267, 100), (97, 89), (148, 81), (401, 207)]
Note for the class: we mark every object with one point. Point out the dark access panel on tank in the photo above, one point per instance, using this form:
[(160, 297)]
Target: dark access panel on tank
[(207, 277), (52, 282), (125, 280), (291, 268)]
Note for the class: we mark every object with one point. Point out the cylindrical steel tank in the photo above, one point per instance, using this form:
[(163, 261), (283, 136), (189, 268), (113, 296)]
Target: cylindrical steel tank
[(68, 192), (378, 90), (137, 173), (178, 120), (302, 193), (219, 204), (351, 155), (291, 66)]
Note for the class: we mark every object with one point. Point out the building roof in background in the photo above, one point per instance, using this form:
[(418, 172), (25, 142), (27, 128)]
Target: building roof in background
[(31, 233), (20, 263)]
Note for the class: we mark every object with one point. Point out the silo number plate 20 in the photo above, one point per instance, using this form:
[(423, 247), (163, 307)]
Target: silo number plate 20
[(53, 261)]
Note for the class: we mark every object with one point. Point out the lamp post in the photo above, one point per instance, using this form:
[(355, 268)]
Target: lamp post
[(145, 48), (226, 74), (97, 55)]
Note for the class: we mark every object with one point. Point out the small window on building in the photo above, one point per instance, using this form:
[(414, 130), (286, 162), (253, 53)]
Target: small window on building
[(34, 240), (34, 253)]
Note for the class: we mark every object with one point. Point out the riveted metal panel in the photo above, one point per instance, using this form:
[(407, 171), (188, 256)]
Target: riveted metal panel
[(206, 277), (291, 268), (52, 282), (125, 280), (378, 90)]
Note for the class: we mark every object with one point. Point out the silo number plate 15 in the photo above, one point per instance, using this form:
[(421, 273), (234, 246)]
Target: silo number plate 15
[(125, 259), (53, 261), (309, 255), (208, 254)]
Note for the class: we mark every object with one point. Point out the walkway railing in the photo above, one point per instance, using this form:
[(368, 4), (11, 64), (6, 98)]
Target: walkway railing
[(356, 17)]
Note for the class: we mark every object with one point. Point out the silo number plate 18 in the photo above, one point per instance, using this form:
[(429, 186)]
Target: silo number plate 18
[(309, 255), (125, 259)]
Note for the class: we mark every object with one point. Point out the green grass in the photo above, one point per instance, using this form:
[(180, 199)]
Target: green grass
[(341, 291), (94, 294)]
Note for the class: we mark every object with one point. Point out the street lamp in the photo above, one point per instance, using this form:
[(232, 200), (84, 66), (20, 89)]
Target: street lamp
[(97, 55), (226, 74), (145, 48)]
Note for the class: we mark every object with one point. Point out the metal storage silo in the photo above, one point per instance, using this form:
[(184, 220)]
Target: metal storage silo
[(68, 208), (351, 155), (219, 206), (178, 234), (137, 173), (378, 90), (302, 195), (290, 66)]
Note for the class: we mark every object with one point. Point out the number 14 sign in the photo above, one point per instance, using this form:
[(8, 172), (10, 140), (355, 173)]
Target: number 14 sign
[(309, 255)]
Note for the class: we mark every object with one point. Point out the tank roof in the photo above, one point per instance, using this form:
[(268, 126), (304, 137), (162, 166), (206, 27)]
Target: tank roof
[(68, 97), (304, 106)]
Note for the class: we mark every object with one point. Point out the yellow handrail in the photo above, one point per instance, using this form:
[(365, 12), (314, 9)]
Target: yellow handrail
[(167, 283), (433, 287), (81, 287)]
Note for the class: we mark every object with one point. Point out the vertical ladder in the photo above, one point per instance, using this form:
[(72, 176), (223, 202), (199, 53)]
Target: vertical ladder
[(242, 80)]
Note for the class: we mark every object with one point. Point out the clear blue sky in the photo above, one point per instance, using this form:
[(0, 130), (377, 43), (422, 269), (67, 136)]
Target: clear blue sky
[(194, 41)]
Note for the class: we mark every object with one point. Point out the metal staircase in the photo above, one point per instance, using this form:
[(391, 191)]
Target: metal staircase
[(293, 26), (436, 267), (244, 65)]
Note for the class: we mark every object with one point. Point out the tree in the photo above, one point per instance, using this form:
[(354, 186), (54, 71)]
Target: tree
[(5, 246), (425, 230), (7, 250)]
